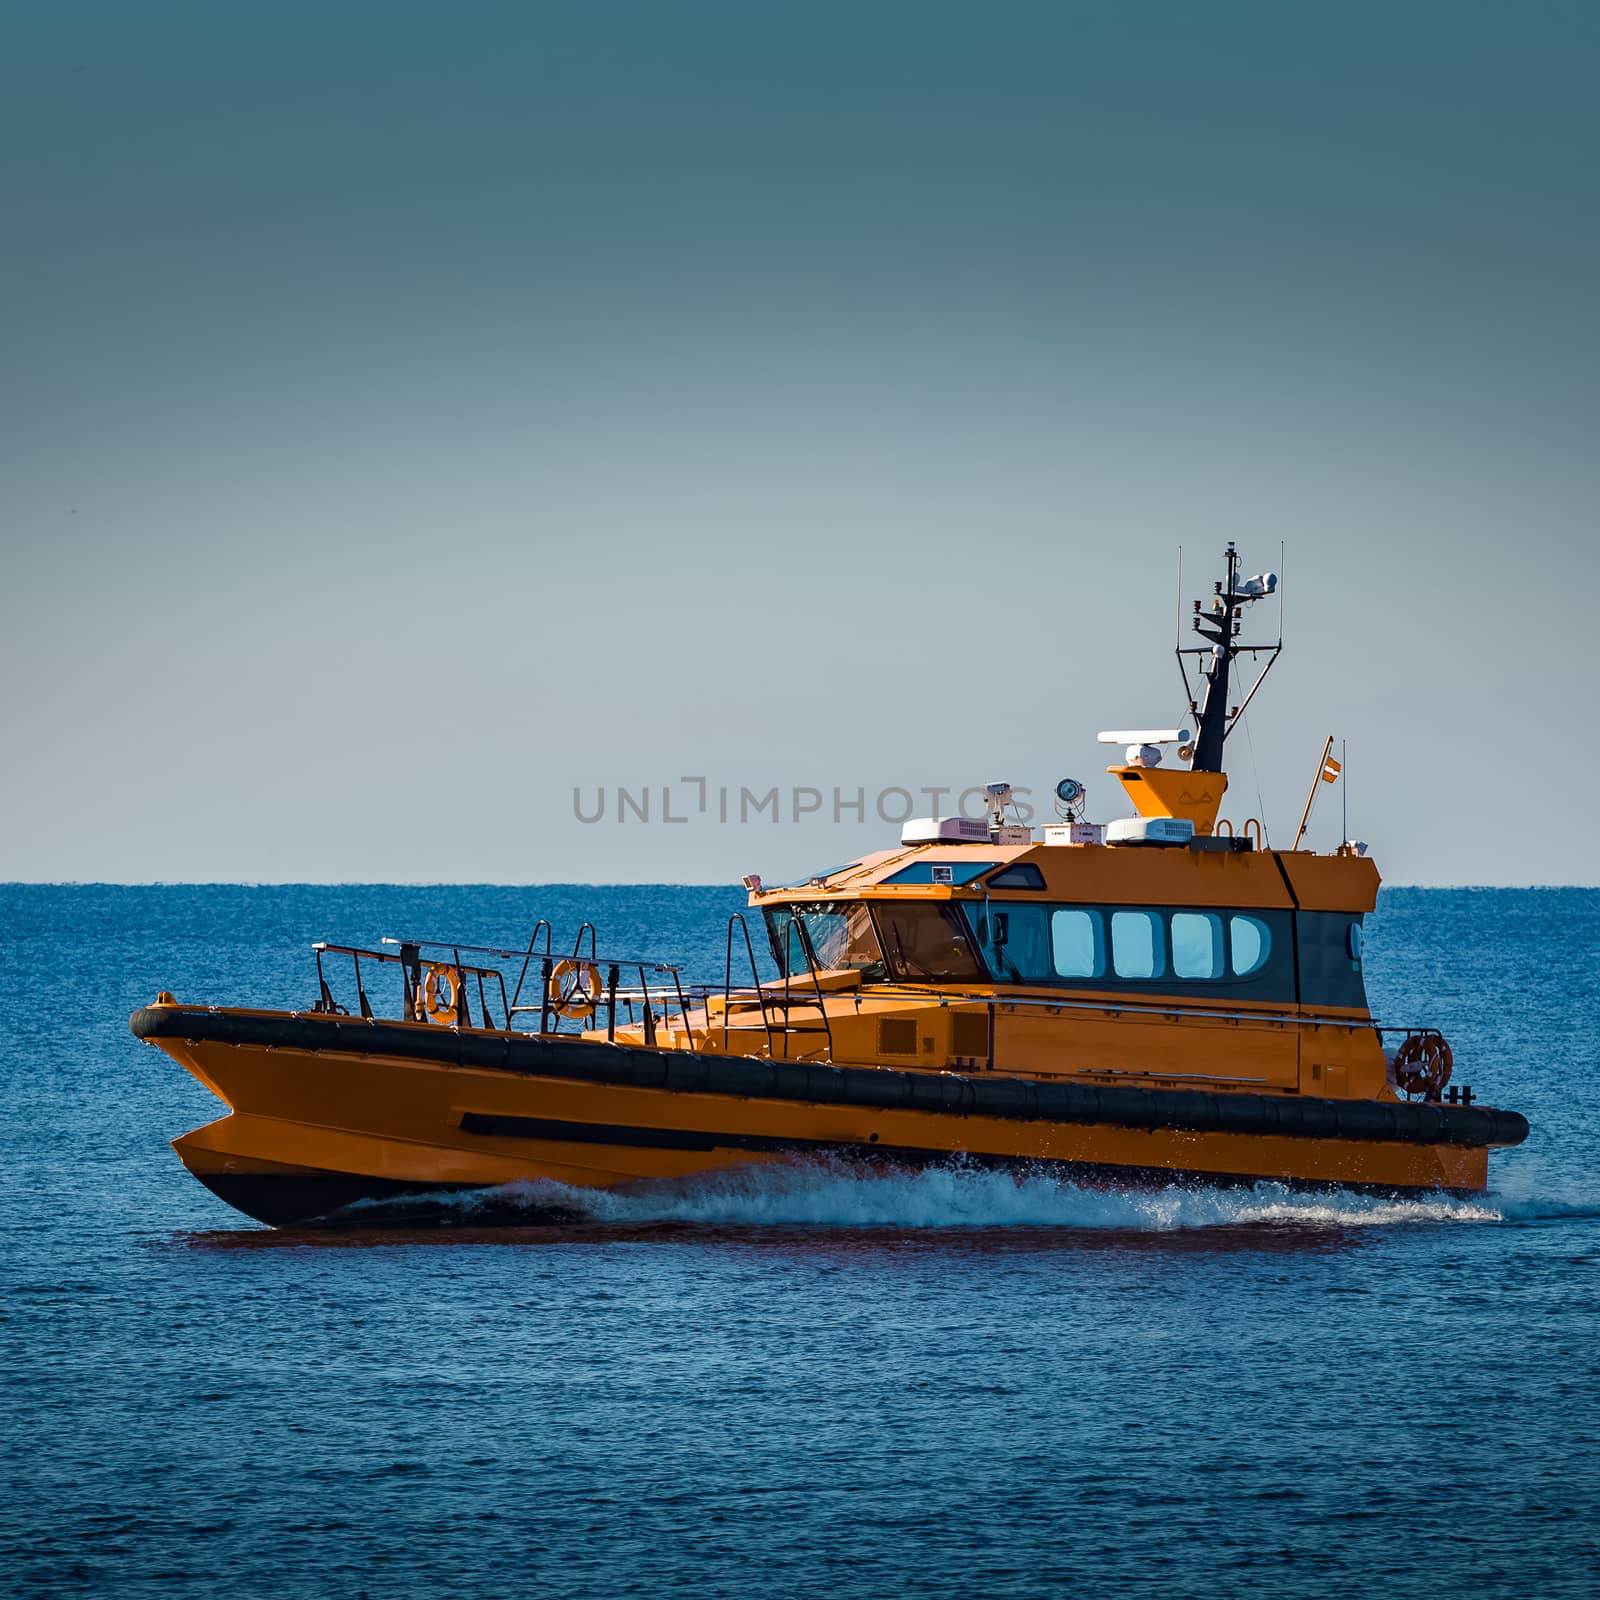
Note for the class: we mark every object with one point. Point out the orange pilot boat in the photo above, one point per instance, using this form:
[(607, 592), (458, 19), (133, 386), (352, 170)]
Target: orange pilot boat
[(1159, 999)]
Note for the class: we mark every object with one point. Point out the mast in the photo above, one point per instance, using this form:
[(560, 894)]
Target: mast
[(1219, 627)]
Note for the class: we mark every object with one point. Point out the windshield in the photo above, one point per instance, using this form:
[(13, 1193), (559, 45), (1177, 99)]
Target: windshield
[(840, 935), (926, 939)]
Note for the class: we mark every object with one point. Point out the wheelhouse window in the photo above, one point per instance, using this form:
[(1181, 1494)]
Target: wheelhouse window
[(1137, 947), (1040, 944), (941, 872), (1015, 940), (1197, 945), (839, 935), (1251, 939), (926, 939), (1077, 943), (1328, 945), (1019, 875)]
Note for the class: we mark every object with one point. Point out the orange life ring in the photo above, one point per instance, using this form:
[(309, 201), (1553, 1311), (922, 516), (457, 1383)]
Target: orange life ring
[(1422, 1065), (443, 1012), (575, 999)]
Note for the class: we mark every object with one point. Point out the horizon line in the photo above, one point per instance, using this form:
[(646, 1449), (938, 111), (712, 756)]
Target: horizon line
[(641, 883)]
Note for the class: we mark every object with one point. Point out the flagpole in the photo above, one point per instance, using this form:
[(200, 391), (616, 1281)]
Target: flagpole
[(1344, 793), (1311, 799)]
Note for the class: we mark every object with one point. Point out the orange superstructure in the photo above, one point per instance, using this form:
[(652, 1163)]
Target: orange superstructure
[(1162, 999)]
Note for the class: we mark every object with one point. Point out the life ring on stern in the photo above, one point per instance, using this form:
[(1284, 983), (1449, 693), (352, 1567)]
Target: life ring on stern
[(441, 976), (574, 989), (1422, 1065)]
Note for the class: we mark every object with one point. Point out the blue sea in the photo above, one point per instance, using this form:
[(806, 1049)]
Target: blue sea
[(786, 1382)]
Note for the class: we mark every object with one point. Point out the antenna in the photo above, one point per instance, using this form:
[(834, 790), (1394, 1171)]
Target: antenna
[(1188, 692), (1344, 792), (1177, 612), (1280, 594)]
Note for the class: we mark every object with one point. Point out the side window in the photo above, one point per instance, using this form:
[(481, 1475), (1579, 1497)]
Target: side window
[(1197, 945), (1020, 875), (1136, 944), (1077, 943), (1252, 944), (1328, 944), (1015, 940)]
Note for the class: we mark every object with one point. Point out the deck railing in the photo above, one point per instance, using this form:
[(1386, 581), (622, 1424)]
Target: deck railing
[(583, 985)]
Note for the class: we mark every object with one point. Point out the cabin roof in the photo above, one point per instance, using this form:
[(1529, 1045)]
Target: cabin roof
[(1101, 874)]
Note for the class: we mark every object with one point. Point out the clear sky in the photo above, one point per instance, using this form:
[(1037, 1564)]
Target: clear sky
[(414, 413)]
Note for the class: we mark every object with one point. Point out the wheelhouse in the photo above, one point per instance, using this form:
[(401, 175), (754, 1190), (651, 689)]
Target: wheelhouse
[(1288, 935)]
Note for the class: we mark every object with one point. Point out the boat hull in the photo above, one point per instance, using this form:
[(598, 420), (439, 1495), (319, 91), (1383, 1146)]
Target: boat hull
[(330, 1113)]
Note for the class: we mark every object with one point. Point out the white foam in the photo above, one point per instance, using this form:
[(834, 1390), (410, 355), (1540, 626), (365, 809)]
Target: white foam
[(822, 1196)]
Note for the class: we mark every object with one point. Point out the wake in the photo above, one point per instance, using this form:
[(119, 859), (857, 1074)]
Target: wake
[(802, 1195)]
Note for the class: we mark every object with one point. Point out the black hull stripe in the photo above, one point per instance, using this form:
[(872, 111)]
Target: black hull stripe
[(819, 1083), (622, 1136)]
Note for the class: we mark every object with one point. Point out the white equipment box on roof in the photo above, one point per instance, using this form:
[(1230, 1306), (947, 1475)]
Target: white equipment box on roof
[(946, 830), (1150, 830), (1074, 833)]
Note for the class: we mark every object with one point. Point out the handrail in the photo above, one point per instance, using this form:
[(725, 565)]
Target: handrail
[(694, 992), (654, 962), (1118, 1003), (584, 949), (326, 1001), (383, 955), (533, 950), (361, 993), (794, 925), (727, 980), (681, 991), (683, 1007)]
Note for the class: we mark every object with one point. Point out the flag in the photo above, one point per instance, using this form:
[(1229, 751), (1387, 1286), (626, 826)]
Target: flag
[(1331, 770)]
